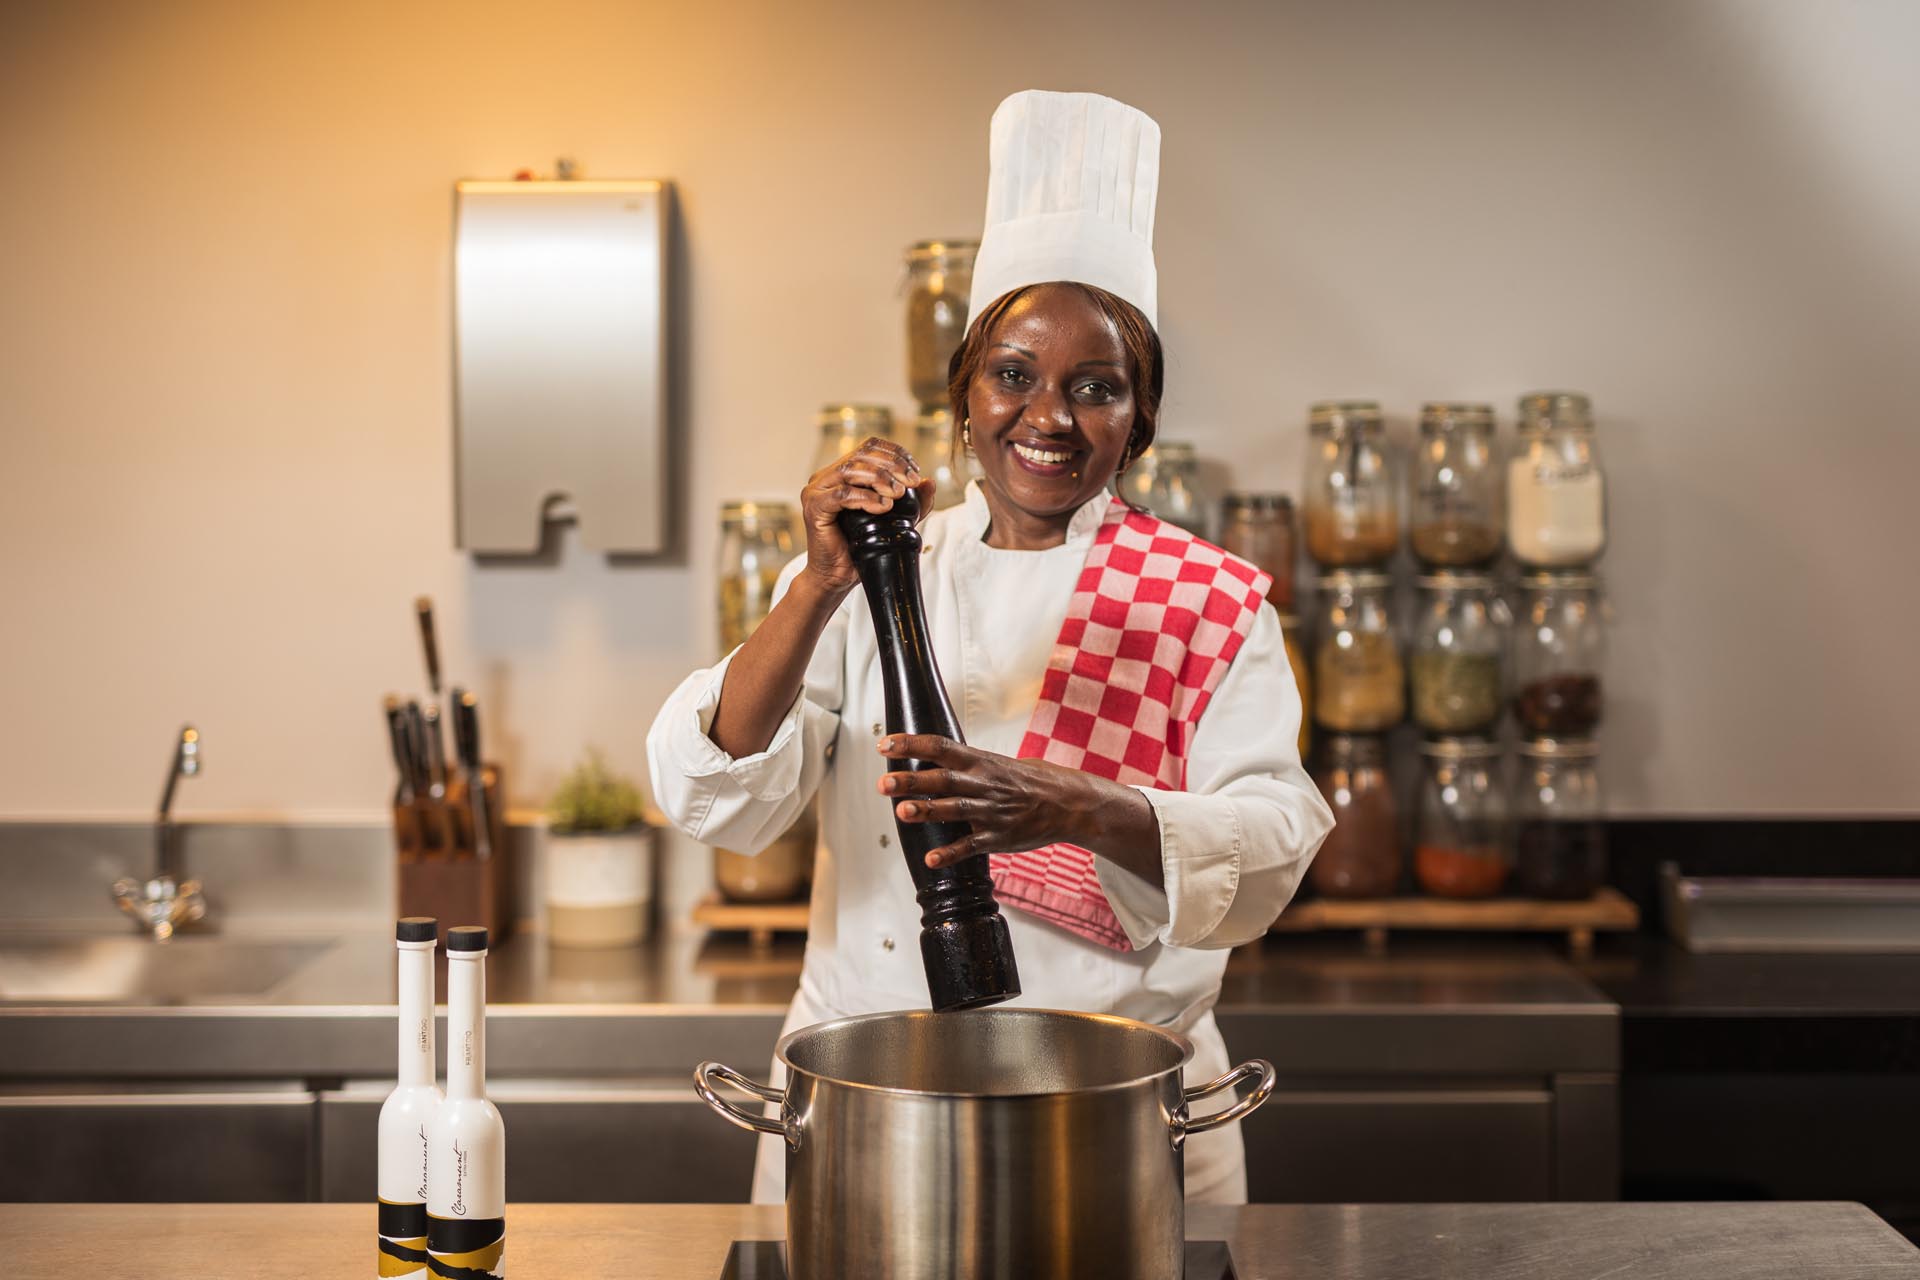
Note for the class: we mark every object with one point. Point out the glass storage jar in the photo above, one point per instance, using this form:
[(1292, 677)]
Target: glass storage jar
[(1458, 644), (939, 278), (1457, 509), (845, 427), (1460, 847), (1359, 683), (1166, 481), (1361, 856), (948, 464), (757, 539), (1297, 659), (1559, 646), (1258, 527), (1556, 490), (1350, 505), (1560, 840)]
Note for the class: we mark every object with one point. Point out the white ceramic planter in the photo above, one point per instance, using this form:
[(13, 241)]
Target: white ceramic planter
[(599, 888)]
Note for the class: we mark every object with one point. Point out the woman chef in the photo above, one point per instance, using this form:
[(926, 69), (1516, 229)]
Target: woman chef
[(1167, 784)]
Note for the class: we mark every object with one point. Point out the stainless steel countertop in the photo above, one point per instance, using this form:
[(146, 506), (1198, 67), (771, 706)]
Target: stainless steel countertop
[(659, 1008), (1777, 1241)]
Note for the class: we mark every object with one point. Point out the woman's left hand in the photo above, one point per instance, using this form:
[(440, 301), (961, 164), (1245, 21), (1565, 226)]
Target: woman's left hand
[(1012, 805)]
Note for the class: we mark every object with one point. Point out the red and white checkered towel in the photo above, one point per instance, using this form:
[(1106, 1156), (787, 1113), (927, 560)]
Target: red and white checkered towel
[(1155, 619)]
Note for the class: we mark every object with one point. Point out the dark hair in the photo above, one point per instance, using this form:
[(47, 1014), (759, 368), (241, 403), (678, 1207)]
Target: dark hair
[(1146, 365)]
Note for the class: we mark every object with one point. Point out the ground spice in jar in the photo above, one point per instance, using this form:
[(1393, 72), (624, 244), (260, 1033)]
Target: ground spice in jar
[(1455, 692), (1556, 510), (745, 601), (1361, 855), (1559, 705), (1351, 538), (1464, 871), (936, 324), (1455, 542), (1358, 687), (1560, 859)]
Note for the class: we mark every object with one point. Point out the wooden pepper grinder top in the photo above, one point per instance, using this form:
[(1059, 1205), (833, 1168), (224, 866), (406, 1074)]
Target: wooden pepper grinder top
[(964, 941)]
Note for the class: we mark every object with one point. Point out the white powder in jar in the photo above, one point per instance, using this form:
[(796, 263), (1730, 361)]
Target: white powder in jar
[(1556, 510)]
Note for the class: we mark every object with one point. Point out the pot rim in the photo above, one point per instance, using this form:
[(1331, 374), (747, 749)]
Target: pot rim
[(1180, 1042)]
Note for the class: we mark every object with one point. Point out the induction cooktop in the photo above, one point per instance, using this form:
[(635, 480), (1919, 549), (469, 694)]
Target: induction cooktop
[(767, 1260)]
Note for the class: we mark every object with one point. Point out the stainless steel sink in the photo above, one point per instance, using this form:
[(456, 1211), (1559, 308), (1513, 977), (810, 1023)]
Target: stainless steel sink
[(137, 970)]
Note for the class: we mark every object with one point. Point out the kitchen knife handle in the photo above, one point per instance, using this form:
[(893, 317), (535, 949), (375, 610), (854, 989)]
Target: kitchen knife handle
[(434, 826), (402, 751), (436, 753), (466, 729), (466, 732), (423, 606)]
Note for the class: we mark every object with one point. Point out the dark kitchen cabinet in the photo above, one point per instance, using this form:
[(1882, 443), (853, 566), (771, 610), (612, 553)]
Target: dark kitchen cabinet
[(223, 1143)]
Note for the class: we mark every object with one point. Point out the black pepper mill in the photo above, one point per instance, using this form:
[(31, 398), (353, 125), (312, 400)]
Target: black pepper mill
[(963, 937)]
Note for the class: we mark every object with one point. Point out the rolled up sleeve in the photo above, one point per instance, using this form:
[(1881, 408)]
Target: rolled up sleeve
[(1235, 845), (744, 803)]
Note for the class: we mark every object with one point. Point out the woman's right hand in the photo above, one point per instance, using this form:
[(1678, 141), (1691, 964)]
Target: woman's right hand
[(868, 479)]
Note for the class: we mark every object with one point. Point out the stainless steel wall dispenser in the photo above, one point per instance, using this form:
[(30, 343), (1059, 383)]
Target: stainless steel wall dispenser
[(560, 363)]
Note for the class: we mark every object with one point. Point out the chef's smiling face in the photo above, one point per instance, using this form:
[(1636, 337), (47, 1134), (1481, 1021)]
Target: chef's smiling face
[(1050, 410)]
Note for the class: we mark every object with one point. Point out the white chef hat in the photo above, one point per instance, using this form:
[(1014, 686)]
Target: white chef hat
[(1071, 183)]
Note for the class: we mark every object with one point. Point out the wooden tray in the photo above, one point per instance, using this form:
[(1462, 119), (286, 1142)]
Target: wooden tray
[(1377, 917), (759, 920)]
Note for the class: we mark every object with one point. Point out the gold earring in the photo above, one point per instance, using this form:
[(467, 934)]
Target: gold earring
[(966, 432)]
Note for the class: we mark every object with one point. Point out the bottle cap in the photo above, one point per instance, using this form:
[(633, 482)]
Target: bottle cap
[(467, 937), (416, 929)]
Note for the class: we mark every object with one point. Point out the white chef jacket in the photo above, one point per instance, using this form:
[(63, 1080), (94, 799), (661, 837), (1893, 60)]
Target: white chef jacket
[(1233, 846)]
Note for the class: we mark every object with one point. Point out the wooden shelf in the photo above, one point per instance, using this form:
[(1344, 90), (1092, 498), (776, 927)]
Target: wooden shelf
[(758, 920), (1378, 917)]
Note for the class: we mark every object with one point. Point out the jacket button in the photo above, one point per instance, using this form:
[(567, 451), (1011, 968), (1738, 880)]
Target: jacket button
[(886, 842), (877, 729), (886, 944)]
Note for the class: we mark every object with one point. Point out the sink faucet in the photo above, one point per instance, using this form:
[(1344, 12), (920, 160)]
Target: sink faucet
[(160, 904)]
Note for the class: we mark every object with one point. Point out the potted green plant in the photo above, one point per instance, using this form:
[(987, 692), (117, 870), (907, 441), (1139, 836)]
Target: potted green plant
[(599, 881)]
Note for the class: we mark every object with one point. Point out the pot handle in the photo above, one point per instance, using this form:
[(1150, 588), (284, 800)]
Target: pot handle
[(1246, 1070), (707, 1073)]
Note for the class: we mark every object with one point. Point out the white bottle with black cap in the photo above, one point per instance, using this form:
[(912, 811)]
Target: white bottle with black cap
[(409, 1109), (467, 1148)]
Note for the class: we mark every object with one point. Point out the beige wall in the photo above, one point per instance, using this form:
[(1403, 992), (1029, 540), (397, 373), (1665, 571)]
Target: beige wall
[(225, 394)]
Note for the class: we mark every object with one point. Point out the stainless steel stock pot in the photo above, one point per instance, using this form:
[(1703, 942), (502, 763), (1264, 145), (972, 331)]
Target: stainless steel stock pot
[(997, 1142)]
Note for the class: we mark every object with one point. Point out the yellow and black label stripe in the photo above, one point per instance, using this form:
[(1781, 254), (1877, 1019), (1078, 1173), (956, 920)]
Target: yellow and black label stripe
[(403, 1239), (467, 1248)]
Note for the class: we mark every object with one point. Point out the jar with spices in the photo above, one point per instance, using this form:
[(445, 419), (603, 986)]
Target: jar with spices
[(1166, 481), (845, 427), (757, 539), (1258, 527), (1460, 845), (1458, 644), (947, 464), (1560, 840), (939, 278), (1352, 510), (1457, 480), (1359, 683), (1361, 856), (1556, 490), (1297, 659), (1559, 645)]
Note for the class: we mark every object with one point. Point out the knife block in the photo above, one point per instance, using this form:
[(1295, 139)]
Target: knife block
[(440, 874)]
